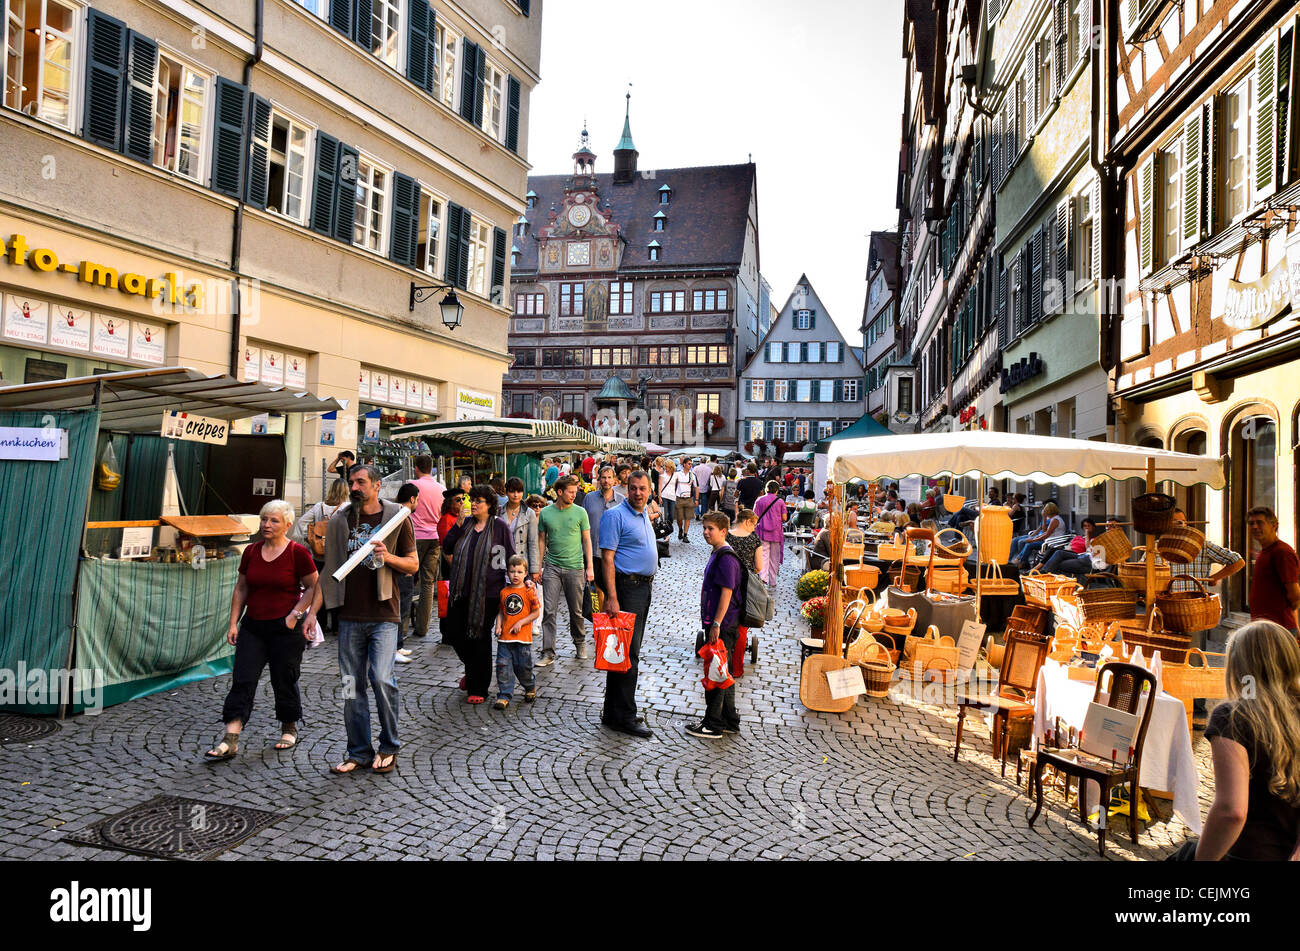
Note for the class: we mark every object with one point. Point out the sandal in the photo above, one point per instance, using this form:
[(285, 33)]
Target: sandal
[(392, 763), (290, 730), (357, 766), (231, 742), (475, 698)]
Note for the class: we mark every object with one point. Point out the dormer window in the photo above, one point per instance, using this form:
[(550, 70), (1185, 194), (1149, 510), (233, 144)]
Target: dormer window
[(655, 250), (665, 194), (514, 256), (531, 199), (521, 226), (803, 319), (660, 220)]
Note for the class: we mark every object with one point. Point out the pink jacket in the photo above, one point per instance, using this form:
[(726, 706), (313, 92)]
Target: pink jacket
[(771, 518)]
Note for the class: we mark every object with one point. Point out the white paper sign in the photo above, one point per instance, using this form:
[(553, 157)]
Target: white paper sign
[(363, 385), (431, 396), (378, 535), (272, 368), (147, 343), (26, 319), (259, 425), (1106, 730), (252, 364), (70, 328), (136, 542), (909, 489), (192, 428), (968, 644), (847, 682), (397, 390), (328, 427), (30, 445), (379, 387), (414, 392), (295, 370), (111, 337)]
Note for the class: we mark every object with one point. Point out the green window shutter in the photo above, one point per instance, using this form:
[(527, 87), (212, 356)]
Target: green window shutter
[(1003, 334), (480, 78), (1064, 266), (1265, 119), (260, 153), (839, 391), (137, 112), (995, 150), (105, 69), (1146, 212), (1191, 224), (812, 320), (361, 24), (419, 68), (512, 114), (468, 58), (341, 16), (499, 247), (466, 223), (324, 187), (345, 206), (406, 218), (228, 138), (768, 387)]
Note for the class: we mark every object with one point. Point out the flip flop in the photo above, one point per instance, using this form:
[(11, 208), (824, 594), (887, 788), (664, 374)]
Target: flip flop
[(476, 699), (392, 763), (357, 767)]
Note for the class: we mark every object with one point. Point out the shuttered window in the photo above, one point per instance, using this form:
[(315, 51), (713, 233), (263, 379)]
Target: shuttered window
[(105, 68), (499, 248), (406, 220), (1064, 240), (259, 154), (458, 225), (1265, 124), (1238, 118), (473, 65), (512, 114), (229, 115), (421, 48), (138, 103), (1146, 211), (1192, 147), (43, 53)]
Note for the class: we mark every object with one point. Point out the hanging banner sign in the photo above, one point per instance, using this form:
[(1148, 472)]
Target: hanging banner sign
[(1250, 305), (372, 427), (192, 428)]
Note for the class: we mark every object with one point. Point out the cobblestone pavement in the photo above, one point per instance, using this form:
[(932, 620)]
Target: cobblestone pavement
[(547, 781)]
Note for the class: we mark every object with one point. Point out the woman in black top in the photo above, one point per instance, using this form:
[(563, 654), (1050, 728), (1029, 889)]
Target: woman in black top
[(747, 546), (474, 554), (1255, 741)]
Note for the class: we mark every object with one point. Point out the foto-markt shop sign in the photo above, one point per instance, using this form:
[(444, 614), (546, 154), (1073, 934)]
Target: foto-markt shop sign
[(192, 428), (470, 404), (30, 445)]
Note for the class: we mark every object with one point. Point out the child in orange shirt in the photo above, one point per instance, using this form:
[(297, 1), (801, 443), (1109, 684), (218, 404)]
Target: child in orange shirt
[(519, 609)]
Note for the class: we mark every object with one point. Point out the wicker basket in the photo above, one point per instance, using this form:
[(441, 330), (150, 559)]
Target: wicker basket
[(1115, 544), (961, 548), (861, 576), (889, 644), (1180, 545), (1153, 513), (1040, 587), (1150, 634), (900, 625), (815, 691), (1188, 611), (1107, 604), (950, 579), (995, 531), (877, 670), (998, 586), (953, 503), (1133, 574), (853, 545), (890, 551)]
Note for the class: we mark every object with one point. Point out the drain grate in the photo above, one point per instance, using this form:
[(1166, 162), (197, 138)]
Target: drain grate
[(19, 729), (173, 827)]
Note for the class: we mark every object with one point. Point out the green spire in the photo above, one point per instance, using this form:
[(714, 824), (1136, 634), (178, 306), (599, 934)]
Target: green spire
[(625, 143)]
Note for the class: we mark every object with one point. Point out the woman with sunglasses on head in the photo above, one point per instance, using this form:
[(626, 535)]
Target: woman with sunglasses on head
[(475, 554)]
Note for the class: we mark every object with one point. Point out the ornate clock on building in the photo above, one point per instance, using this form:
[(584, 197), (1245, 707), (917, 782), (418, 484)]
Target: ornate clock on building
[(579, 215)]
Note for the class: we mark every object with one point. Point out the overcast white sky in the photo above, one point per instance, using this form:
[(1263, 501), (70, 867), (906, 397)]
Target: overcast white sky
[(814, 90)]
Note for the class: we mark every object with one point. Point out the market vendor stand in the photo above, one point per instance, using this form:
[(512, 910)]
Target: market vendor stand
[(147, 623)]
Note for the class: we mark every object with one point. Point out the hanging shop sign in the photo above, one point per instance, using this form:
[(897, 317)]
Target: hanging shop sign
[(170, 288), (1247, 305), (111, 337), (19, 443), (1022, 372), (328, 427), (190, 427)]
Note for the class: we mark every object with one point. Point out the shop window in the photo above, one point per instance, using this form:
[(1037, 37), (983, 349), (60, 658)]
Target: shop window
[(368, 225), (41, 39), (1191, 499), (1253, 481)]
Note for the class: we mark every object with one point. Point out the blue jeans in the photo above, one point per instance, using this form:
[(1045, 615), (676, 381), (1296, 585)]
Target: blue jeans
[(1022, 548), (514, 659), (366, 650)]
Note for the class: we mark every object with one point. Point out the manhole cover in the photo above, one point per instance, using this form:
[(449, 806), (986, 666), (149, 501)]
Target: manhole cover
[(173, 827), (17, 729)]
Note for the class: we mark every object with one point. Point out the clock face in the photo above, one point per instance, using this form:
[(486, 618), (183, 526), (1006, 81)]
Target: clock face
[(579, 215)]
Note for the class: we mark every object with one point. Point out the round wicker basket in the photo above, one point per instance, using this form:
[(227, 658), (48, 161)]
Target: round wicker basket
[(1181, 544)]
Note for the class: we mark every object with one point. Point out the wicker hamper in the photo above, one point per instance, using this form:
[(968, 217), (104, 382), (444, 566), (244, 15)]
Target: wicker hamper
[(1040, 586), (1189, 611), (1153, 513), (1107, 604), (877, 670), (1133, 574), (1149, 633), (1180, 545)]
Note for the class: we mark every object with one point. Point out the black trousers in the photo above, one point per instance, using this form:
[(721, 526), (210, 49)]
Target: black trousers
[(720, 705), (475, 652), (260, 643), (620, 688)]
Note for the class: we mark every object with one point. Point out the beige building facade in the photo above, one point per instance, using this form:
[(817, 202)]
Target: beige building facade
[(157, 155)]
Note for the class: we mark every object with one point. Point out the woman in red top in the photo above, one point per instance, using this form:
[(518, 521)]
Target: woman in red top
[(453, 510), (277, 579)]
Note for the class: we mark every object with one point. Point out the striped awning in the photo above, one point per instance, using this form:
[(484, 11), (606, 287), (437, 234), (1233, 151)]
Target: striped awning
[(134, 401), (515, 435)]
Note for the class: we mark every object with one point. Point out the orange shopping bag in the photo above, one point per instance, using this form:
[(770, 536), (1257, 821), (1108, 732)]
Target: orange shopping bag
[(717, 672), (613, 640), (444, 595)]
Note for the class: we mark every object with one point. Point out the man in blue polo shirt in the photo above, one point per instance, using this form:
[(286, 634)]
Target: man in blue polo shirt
[(630, 557)]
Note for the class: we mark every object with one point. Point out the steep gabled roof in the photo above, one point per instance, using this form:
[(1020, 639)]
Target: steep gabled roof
[(855, 352)]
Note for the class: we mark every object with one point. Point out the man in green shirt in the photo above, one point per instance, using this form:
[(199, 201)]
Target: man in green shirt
[(564, 534)]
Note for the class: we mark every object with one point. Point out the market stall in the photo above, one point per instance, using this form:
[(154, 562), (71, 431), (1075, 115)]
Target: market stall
[(130, 584)]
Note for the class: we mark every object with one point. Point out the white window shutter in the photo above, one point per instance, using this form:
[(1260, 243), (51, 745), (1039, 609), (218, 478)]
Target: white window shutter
[(1209, 167), (1191, 224), (1096, 238), (1063, 236), (1285, 104), (1265, 124), (1085, 29), (1031, 89), (1146, 211)]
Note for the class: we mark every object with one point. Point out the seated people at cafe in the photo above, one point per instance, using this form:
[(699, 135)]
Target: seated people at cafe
[(1053, 530), (1017, 513), (928, 504), (1073, 559), (820, 555), (971, 510)]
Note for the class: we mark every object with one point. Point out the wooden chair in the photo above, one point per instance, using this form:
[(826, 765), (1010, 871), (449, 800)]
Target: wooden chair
[(1128, 684), (1017, 682), (1027, 617)]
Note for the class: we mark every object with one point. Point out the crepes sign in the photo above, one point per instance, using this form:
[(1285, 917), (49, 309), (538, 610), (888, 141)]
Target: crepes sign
[(193, 428)]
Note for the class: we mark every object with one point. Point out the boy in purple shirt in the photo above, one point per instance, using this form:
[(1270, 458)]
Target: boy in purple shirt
[(720, 616)]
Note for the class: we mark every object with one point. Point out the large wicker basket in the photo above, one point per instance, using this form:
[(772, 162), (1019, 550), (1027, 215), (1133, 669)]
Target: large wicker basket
[(1150, 634), (1115, 544), (1133, 574), (1188, 611), (877, 670), (997, 586), (1107, 604), (953, 503), (1153, 513), (995, 531), (1180, 545), (1039, 587)]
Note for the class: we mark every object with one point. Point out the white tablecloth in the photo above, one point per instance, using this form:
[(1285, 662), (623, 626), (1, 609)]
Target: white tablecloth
[(1167, 760)]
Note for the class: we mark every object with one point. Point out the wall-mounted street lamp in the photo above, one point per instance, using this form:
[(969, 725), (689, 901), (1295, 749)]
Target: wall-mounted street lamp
[(452, 309)]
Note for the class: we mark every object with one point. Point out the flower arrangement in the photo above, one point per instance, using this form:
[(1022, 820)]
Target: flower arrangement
[(812, 585), (814, 611)]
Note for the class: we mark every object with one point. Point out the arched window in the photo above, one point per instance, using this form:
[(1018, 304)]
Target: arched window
[(1191, 499), (1252, 445)]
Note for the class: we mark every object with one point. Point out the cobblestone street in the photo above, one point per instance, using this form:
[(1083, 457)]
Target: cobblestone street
[(547, 781)]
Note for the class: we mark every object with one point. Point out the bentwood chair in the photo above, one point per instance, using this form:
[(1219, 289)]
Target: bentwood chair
[(1129, 684), (1014, 699)]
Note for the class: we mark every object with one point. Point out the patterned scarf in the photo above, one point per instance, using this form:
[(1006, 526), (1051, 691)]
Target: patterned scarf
[(470, 564)]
